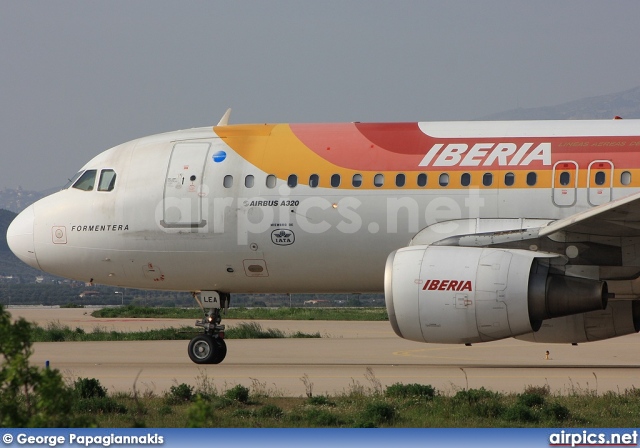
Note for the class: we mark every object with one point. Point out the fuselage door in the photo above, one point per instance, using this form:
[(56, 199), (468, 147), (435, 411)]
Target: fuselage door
[(565, 183), (182, 198), (600, 181)]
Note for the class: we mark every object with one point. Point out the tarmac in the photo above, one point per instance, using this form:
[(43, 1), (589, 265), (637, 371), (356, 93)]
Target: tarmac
[(350, 357)]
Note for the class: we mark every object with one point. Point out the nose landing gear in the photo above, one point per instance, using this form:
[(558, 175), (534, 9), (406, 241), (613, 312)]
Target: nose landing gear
[(209, 347)]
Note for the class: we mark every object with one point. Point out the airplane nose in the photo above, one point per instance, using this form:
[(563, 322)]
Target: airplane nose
[(20, 237)]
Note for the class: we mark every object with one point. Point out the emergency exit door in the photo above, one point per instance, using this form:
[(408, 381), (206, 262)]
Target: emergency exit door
[(565, 183), (600, 182)]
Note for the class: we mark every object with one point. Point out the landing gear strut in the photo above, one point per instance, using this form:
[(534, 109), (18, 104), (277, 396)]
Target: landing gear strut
[(209, 347)]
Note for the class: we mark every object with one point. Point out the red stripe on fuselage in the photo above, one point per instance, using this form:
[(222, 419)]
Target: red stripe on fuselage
[(403, 146)]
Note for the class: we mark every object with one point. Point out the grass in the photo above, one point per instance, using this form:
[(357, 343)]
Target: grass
[(408, 406), (340, 314), (398, 405), (56, 332)]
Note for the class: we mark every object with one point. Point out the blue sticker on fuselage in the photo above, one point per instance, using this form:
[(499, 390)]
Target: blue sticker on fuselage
[(219, 156)]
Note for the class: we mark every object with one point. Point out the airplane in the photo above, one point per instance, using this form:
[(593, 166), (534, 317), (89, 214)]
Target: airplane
[(475, 231)]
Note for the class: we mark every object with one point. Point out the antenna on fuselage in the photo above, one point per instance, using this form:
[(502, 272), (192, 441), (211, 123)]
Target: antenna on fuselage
[(224, 121)]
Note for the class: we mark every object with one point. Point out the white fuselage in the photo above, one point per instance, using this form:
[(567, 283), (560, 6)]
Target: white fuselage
[(183, 216)]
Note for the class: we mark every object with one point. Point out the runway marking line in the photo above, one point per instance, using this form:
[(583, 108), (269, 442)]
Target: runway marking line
[(415, 352)]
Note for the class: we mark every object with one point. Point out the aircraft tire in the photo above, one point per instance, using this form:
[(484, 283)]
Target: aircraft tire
[(203, 349), (220, 351)]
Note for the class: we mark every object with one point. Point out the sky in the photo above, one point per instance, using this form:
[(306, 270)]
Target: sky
[(78, 77)]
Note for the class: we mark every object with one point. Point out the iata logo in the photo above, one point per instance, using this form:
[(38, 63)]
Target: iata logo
[(282, 237), (487, 154), (447, 285)]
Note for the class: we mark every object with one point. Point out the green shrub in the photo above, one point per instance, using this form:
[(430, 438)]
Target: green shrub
[(242, 413), (479, 402), (182, 393), (89, 388), (30, 396), (378, 413), (557, 412), (270, 411), (520, 413), (544, 391), (399, 390), (320, 400), (221, 403), (531, 400), (474, 395), (92, 398), (200, 414), (55, 332), (365, 424), (106, 405), (238, 393), (321, 417)]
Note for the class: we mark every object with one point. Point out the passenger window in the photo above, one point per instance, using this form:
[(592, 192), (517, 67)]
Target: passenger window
[(400, 180), (249, 181), (271, 181), (292, 181), (422, 180), (487, 179), (72, 180), (86, 181), (509, 179), (356, 181), (107, 180), (378, 180), (314, 180), (227, 181), (601, 178), (335, 180), (532, 178), (565, 178), (443, 180), (465, 179), (625, 178)]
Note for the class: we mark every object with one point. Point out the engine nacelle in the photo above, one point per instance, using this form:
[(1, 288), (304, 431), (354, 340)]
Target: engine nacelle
[(446, 294), (618, 319)]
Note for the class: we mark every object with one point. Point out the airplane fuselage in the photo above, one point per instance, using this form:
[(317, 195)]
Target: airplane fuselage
[(474, 231), (317, 208)]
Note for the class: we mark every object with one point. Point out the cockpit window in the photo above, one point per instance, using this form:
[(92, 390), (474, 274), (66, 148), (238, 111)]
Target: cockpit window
[(107, 180), (72, 180), (86, 181)]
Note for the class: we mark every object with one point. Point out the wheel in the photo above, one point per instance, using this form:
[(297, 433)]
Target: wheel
[(203, 349), (220, 351)]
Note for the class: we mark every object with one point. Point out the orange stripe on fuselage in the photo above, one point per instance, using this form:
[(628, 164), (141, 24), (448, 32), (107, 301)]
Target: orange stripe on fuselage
[(389, 149)]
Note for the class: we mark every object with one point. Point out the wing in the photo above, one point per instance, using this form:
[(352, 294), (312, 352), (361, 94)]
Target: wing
[(619, 218), (602, 242)]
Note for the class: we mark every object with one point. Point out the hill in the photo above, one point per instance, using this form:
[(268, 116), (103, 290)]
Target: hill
[(624, 104), (17, 199), (5, 219)]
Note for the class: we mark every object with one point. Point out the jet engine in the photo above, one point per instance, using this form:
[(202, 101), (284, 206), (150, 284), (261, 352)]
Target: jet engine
[(465, 295)]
